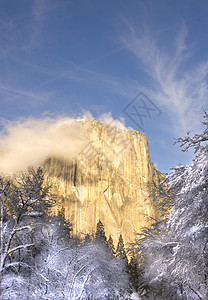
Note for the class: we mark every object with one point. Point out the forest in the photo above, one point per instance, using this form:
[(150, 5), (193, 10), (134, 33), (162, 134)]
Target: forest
[(42, 259)]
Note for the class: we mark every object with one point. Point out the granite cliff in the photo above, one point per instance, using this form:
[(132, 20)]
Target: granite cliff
[(107, 181)]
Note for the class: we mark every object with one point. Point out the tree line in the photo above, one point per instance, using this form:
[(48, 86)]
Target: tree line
[(41, 259)]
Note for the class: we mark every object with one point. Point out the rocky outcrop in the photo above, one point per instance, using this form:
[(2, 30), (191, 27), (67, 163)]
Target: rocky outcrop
[(106, 181)]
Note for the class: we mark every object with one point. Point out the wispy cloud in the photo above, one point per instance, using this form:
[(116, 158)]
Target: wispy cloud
[(23, 32), (39, 11), (84, 74), (31, 97), (178, 87)]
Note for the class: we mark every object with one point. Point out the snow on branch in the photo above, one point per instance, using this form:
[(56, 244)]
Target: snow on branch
[(196, 140), (20, 247), (33, 214)]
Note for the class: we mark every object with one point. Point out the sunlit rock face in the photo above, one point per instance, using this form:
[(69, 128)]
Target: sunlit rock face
[(106, 181)]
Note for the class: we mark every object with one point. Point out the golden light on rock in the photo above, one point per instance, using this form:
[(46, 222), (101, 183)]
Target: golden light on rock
[(106, 181)]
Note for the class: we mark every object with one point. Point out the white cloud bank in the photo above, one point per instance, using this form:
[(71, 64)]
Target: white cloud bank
[(108, 119), (31, 141), (179, 90)]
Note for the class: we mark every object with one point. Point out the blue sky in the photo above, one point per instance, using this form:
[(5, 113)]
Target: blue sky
[(62, 57)]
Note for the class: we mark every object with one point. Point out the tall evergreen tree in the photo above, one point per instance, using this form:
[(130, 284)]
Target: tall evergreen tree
[(134, 271), (87, 239), (111, 245), (63, 226), (100, 233), (120, 251)]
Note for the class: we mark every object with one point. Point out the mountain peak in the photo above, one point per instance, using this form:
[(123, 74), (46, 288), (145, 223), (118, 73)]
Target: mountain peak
[(106, 181)]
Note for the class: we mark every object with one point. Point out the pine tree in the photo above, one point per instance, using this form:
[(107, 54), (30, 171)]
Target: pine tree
[(100, 233), (87, 239), (64, 227), (111, 245), (134, 271), (120, 251)]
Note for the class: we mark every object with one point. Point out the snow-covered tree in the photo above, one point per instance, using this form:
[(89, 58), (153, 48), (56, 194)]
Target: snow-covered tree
[(175, 253), (198, 140), (77, 271), (24, 200), (161, 197), (58, 266), (101, 276)]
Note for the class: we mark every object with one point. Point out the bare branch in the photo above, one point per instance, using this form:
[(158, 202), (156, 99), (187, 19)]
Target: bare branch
[(20, 247), (196, 140)]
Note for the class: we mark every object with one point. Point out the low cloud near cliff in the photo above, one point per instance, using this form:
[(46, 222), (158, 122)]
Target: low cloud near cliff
[(31, 141)]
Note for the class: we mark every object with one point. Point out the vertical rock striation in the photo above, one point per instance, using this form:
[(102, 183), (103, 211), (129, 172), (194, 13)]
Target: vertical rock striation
[(106, 181)]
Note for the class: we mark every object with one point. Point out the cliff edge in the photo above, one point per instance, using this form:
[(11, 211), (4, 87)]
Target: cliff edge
[(107, 181)]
